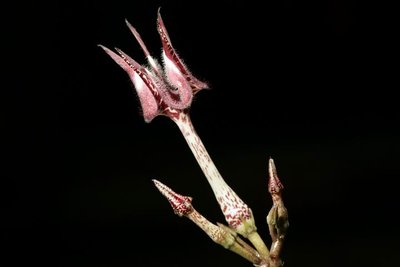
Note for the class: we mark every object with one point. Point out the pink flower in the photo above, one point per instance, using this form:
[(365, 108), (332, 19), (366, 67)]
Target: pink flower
[(166, 90)]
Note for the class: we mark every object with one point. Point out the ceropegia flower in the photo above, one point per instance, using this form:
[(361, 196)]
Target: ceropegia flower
[(220, 234), (169, 90), (165, 90)]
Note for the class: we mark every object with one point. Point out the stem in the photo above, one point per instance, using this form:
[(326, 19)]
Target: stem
[(239, 240), (223, 237), (259, 244)]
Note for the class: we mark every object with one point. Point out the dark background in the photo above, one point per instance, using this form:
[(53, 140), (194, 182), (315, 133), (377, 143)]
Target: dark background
[(311, 84)]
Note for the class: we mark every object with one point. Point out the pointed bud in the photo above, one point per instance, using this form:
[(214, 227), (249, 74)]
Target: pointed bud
[(274, 184), (182, 205)]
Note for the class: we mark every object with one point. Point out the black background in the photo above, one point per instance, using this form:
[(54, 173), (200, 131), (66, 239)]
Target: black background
[(311, 84)]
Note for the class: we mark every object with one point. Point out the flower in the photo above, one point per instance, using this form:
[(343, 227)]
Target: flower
[(166, 90)]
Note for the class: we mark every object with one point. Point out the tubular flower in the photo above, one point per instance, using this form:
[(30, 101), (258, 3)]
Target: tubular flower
[(166, 90), (169, 90)]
